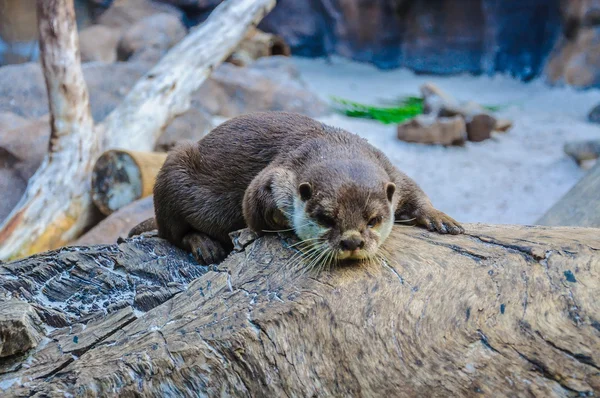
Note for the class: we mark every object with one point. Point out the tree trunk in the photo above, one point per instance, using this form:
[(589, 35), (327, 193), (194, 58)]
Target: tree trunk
[(499, 311), (122, 177), (580, 207), (57, 205)]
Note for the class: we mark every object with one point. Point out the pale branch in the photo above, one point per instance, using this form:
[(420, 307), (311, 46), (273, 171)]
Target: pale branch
[(166, 89)]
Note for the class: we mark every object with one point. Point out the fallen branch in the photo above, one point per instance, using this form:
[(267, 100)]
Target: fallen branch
[(580, 207), (499, 311), (57, 205)]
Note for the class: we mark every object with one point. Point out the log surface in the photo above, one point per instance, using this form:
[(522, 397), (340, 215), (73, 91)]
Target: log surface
[(499, 311)]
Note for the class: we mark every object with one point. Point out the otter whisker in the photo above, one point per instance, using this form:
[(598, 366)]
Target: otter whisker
[(307, 240), (404, 221)]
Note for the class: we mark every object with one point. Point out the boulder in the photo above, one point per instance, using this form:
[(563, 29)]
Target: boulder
[(594, 115), (118, 224), (9, 121), (191, 126), (156, 33), (576, 62), (22, 150), (270, 83), (98, 43), (123, 14), (430, 129)]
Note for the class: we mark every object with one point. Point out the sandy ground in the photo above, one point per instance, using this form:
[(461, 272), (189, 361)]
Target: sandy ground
[(511, 179)]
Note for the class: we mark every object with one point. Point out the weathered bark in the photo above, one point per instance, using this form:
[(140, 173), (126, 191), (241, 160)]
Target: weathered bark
[(580, 207), (122, 177), (499, 311), (57, 205)]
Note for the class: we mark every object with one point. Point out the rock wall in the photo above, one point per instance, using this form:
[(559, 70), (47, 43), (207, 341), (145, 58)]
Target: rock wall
[(576, 56), (441, 36)]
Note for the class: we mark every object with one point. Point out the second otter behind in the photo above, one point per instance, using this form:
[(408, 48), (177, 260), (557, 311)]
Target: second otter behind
[(275, 170)]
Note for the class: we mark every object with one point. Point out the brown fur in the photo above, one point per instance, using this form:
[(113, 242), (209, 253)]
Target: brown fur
[(247, 171)]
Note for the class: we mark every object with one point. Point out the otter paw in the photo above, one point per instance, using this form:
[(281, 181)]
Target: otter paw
[(205, 249), (435, 220)]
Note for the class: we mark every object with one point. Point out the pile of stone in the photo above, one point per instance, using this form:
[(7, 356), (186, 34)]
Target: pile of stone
[(447, 121)]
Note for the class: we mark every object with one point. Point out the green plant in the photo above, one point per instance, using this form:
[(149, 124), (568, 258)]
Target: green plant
[(407, 108)]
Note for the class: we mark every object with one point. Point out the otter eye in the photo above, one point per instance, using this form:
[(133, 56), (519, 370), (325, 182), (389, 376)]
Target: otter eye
[(325, 220), (374, 221)]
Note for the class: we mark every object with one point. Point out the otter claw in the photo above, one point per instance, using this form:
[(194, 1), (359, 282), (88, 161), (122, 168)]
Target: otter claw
[(205, 250), (441, 223)]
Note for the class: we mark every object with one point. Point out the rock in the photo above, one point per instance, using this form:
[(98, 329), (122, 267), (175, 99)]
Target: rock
[(20, 328), (576, 62), (98, 43), (10, 121), (477, 36), (270, 83), (428, 129), (21, 153), (12, 187), (157, 33), (118, 224), (503, 125), (29, 144), (123, 14), (191, 126), (23, 90), (480, 127), (582, 151), (594, 115)]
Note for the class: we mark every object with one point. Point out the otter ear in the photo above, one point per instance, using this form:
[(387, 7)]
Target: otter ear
[(390, 188), (305, 191)]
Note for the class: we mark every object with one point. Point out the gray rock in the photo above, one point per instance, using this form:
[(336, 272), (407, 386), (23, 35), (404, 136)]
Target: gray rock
[(270, 83), (156, 33), (594, 115)]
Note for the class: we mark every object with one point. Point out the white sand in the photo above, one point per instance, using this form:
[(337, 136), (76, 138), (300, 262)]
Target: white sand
[(513, 178)]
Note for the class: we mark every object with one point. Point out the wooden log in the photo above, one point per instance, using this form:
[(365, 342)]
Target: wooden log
[(580, 207), (121, 177), (57, 206), (258, 44), (503, 311)]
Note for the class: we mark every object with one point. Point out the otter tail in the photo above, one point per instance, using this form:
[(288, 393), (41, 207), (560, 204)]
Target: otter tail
[(144, 226)]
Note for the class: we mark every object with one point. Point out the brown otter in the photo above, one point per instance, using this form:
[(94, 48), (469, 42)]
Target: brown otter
[(275, 170)]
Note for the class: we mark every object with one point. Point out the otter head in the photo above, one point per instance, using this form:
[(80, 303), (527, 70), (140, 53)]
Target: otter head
[(344, 209)]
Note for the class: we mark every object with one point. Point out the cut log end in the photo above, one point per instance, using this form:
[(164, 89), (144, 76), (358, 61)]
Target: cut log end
[(122, 177)]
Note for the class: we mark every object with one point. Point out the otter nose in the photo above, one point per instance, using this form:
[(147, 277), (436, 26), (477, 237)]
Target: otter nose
[(353, 243)]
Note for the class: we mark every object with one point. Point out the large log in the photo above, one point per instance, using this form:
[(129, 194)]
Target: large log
[(580, 207), (499, 311), (57, 206)]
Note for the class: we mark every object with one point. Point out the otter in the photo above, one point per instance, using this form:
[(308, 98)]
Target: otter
[(273, 171)]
